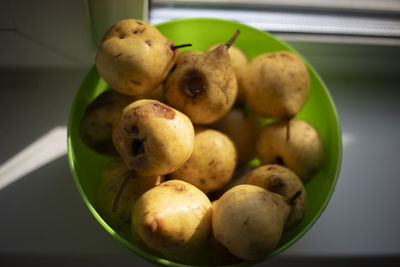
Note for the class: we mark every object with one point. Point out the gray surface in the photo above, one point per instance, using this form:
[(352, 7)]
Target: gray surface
[(45, 222)]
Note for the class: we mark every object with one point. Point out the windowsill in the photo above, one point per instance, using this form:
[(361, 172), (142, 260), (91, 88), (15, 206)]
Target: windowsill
[(298, 25)]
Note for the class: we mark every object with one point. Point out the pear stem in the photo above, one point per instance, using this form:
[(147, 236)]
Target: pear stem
[(288, 130), (230, 42), (293, 198), (180, 46), (119, 193)]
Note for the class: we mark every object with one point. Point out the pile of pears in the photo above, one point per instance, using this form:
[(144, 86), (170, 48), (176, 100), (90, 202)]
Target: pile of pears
[(182, 127)]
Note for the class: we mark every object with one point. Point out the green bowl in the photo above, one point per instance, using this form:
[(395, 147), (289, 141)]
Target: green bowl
[(319, 110)]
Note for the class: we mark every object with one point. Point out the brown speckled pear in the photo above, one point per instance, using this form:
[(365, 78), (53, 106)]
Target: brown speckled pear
[(277, 84), (248, 220), (117, 191), (95, 128), (134, 58), (212, 163), (239, 61), (285, 182), (302, 150), (174, 219), (153, 138), (242, 127), (203, 85)]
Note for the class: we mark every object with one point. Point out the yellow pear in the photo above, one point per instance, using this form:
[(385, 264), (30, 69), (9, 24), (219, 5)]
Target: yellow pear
[(212, 162), (239, 61), (301, 150), (173, 218), (276, 84), (134, 58), (203, 85), (96, 125), (117, 190), (283, 181), (248, 220), (242, 127), (153, 138)]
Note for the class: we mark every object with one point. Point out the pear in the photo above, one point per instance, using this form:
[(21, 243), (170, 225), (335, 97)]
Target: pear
[(283, 181), (174, 219), (212, 162), (242, 127), (96, 125), (239, 61), (153, 138), (134, 58), (203, 85), (249, 220), (276, 84), (302, 150), (117, 191)]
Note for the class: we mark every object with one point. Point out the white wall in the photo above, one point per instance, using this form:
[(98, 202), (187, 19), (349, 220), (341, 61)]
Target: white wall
[(44, 33)]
